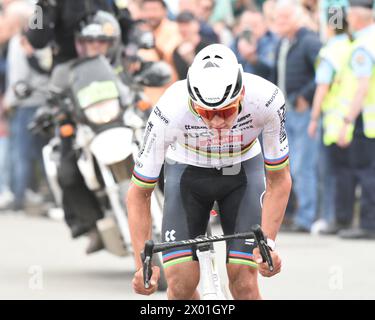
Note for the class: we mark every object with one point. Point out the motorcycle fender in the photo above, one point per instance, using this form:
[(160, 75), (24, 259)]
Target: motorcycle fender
[(87, 168), (113, 145)]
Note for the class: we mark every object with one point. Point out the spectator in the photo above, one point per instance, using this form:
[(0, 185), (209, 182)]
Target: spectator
[(191, 44), (355, 155), (165, 31), (26, 147), (245, 48), (167, 37), (219, 15), (6, 196), (222, 13), (266, 41), (269, 14), (332, 59), (311, 14), (203, 10), (60, 21), (240, 6), (294, 74)]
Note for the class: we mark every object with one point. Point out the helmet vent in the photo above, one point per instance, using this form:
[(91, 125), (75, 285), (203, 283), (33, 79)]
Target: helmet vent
[(211, 65), (207, 57), (238, 86), (191, 94), (213, 104), (218, 57)]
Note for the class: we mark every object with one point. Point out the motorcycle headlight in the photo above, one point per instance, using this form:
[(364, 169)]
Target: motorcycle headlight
[(103, 112)]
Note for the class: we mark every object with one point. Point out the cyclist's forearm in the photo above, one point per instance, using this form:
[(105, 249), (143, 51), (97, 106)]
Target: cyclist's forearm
[(140, 221), (278, 188)]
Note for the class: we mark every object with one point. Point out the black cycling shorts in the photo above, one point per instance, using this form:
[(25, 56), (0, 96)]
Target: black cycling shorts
[(190, 193)]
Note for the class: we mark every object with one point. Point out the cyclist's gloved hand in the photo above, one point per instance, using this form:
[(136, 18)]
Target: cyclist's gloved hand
[(138, 284), (263, 266)]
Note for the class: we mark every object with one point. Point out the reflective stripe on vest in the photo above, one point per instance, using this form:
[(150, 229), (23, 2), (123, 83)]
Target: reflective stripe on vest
[(338, 55)]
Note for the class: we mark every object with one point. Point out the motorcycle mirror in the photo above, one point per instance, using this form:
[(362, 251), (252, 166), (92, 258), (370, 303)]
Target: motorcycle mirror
[(154, 74), (22, 90)]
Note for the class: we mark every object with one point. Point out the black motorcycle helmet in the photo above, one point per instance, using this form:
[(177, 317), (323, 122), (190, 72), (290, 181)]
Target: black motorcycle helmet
[(101, 26)]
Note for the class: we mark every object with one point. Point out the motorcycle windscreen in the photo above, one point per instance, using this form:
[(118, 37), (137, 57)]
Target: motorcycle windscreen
[(93, 81)]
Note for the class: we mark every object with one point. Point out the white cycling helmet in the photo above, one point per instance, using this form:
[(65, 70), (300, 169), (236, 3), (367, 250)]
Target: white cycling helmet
[(214, 79)]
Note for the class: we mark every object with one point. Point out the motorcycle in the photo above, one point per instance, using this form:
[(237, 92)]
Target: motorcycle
[(107, 135)]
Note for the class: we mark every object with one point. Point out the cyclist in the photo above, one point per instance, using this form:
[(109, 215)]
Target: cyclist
[(206, 129)]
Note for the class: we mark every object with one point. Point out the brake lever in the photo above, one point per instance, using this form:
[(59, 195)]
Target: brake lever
[(146, 257), (263, 247)]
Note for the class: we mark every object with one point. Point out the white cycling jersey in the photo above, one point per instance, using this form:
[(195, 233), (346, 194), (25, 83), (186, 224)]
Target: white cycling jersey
[(175, 132)]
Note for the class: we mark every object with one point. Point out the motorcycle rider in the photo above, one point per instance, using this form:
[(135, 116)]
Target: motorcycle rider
[(61, 19), (96, 34)]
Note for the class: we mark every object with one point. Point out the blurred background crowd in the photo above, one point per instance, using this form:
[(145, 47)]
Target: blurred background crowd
[(319, 52)]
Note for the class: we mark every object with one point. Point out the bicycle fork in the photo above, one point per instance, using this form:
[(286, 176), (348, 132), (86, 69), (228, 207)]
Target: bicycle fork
[(210, 280)]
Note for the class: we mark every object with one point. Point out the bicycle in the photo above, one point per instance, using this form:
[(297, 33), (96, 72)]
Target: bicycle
[(210, 280)]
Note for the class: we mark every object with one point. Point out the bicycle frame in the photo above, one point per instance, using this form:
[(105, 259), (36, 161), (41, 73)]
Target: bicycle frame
[(210, 283)]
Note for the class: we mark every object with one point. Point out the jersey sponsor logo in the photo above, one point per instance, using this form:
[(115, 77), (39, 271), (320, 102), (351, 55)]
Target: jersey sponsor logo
[(153, 139), (269, 102), (247, 128), (245, 123), (149, 127), (244, 118), (284, 149), (189, 127), (241, 123), (197, 135), (160, 115), (282, 116), (232, 140)]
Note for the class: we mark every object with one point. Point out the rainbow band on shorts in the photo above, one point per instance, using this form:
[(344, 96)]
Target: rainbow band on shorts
[(277, 164), (175, 257), (244, 258)]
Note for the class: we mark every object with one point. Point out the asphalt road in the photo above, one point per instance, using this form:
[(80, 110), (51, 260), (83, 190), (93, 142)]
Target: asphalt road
[(38, 260)]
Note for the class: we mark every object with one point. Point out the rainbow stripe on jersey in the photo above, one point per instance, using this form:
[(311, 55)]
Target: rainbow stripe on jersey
[(143, 181), (220, 155), (277, 164)]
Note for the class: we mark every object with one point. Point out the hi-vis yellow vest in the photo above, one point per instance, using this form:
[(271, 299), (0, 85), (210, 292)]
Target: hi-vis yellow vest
[(342, 93), (337, 54)]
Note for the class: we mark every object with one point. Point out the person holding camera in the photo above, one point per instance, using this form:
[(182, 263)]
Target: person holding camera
[(245, 48), (255, 45), (191, 44)]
